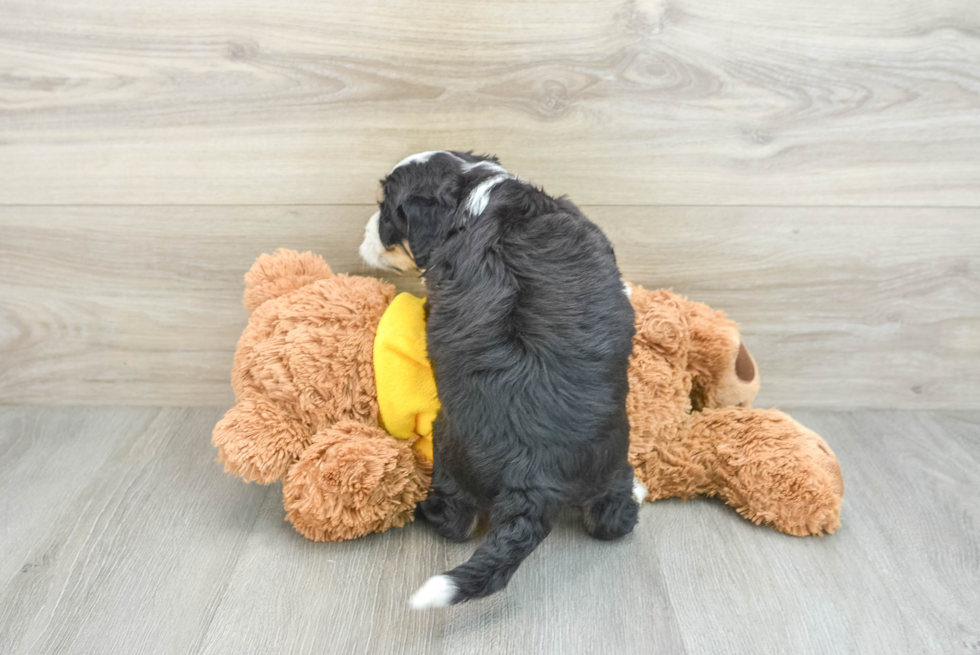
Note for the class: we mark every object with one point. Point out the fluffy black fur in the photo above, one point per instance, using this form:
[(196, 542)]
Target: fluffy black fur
[(529, 333)]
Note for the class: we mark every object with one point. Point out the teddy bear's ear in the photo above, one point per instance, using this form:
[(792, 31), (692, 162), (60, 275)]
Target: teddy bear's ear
[(274, 275)]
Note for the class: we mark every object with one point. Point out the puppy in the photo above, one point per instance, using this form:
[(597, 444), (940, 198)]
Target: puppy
[(530, 333)]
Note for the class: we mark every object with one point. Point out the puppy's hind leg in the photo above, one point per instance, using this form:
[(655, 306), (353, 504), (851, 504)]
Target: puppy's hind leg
[(448, 508), (613, 514)]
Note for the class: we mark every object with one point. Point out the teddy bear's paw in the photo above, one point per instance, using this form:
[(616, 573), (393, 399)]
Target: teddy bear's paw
[(782, 474), (826, 487), (800, 513), (352, 480), (256, 440)]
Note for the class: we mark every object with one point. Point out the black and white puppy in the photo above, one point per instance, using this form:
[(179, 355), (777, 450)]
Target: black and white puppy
[(529, 333)]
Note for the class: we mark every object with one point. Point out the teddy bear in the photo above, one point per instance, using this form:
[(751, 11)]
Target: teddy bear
[(335, 397)]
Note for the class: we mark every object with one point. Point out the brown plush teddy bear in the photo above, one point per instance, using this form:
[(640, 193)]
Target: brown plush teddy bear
[(327, 360)]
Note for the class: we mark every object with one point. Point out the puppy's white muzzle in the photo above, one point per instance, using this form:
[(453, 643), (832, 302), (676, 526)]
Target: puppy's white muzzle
[(374, 253), (371, 248)]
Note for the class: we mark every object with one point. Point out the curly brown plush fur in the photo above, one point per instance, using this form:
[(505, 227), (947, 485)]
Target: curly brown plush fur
[(307, 411), (767, 466), (352, 480), (307, 405)]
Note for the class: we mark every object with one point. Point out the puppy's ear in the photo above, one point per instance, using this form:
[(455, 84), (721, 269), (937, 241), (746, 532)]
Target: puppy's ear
[(428, 221)]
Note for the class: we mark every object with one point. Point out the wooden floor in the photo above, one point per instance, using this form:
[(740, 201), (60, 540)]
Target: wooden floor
[(119, 534)]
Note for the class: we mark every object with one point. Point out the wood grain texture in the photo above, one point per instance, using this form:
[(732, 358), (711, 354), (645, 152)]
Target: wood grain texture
[(878, 585), (627, 102), (119, 527), (120, 534), (841, 307)]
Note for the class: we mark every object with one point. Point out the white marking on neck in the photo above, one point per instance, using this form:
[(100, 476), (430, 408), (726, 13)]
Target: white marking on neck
[(488, 166), (417, 158), (422, 157), (480, 196)]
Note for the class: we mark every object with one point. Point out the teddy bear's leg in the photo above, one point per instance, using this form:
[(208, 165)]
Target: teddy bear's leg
[(724, 373), (614, 514), (257, 440), (451, 511), (771, 469), (354, 479)]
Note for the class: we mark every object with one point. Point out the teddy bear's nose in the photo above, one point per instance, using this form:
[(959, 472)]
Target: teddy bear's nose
[(744, 368)]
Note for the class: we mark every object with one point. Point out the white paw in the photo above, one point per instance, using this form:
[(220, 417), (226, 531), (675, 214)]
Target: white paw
[(640, 491), (438, 591)]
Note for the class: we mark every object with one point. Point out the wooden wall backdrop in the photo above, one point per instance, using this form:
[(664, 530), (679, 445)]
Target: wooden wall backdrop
[(811, 167)]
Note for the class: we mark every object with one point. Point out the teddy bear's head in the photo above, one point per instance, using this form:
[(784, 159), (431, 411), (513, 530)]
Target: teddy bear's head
[(304, 362)]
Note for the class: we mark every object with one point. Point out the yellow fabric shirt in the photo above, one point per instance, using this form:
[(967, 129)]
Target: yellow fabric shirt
[(407, 397)]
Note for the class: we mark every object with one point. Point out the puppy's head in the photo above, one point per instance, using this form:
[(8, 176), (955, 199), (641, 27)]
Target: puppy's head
[(420, 200)]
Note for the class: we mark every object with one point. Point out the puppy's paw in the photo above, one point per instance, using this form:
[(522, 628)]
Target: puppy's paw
[(640, 491)]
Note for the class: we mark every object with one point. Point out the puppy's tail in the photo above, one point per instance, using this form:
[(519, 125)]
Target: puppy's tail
[(519, 521)]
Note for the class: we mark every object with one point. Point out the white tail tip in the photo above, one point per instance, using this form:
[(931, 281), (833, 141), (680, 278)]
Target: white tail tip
[(438, 591)]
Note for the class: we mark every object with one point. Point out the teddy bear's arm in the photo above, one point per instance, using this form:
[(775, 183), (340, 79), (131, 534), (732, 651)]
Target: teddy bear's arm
[(257, 439), (354, 479)]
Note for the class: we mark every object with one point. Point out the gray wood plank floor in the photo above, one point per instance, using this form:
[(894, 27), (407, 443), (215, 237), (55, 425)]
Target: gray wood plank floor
[(119, 534)]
